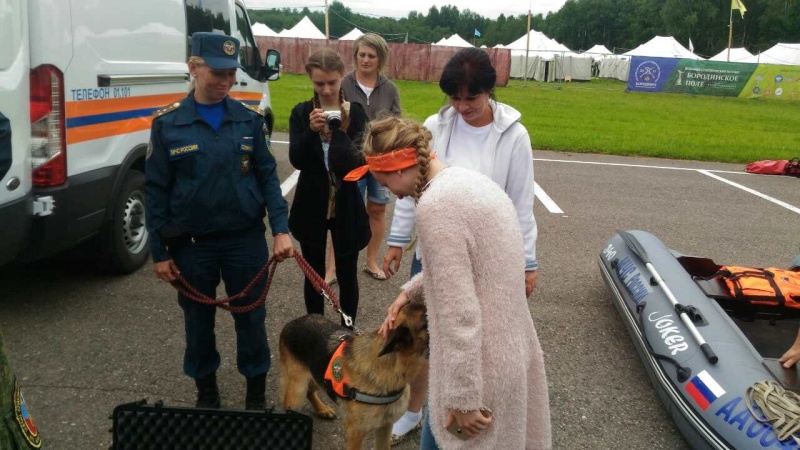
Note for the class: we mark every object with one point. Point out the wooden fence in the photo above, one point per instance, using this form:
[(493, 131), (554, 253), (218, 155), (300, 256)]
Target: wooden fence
[(420, 62)]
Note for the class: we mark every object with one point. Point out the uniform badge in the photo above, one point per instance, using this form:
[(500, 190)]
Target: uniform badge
[(24, 419), (229, 48), (245, 164), (336, 369)]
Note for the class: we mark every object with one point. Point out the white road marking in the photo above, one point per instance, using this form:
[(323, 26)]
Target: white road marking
[(545, 199), (752, 191), (289, 183), (639, 165)]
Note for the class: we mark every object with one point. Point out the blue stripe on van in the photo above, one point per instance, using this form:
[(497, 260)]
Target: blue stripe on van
[(110, 117)]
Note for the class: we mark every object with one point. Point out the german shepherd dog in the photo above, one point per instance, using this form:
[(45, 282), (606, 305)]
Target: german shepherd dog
[(378, 368)]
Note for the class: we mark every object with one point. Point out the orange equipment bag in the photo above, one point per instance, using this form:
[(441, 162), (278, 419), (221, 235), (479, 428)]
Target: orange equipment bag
[(770, 286)]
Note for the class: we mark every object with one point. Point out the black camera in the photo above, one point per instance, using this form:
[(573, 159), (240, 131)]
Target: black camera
[(333, 119)]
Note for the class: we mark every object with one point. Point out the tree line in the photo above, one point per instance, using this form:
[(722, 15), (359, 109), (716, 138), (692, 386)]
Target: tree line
[(620, 25)]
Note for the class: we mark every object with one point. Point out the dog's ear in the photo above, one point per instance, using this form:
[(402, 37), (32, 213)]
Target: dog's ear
[(398, 339)]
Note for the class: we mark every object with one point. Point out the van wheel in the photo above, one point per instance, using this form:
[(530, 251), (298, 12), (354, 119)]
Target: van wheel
[(127, 236)]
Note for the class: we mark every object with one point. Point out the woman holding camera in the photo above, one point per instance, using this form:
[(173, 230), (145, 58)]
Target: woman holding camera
[(322, 144)]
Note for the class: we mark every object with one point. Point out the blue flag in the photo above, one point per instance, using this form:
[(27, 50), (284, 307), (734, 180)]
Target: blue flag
[(477, 33)]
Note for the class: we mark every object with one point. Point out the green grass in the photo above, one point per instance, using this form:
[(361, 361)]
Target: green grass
[(601, 117)]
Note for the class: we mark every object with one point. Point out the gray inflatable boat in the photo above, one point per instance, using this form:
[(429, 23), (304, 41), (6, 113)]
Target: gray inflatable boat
[(702, 349)]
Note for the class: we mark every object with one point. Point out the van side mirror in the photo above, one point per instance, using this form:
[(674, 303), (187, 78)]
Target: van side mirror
[(271, 70)]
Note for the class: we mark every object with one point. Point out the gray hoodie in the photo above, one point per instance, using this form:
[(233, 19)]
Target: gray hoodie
[(384, 97)]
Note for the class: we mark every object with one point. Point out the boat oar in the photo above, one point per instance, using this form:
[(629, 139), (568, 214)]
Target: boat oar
[(633, 244)]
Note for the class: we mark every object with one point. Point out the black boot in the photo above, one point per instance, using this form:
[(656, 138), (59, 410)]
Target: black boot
[(207, 392), (256, 386)]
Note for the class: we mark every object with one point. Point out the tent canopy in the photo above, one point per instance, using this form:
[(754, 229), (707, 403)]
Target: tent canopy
[(662, 47), (304, 29), (737, 55), (454, 41), (782, 54), (354, 34), (538, 42), (260, 29)]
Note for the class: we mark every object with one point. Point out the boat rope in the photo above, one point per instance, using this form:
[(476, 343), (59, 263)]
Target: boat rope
[(683, 373), (770, 403)]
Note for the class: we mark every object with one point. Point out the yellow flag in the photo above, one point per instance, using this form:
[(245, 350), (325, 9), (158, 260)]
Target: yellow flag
[(737, 4)]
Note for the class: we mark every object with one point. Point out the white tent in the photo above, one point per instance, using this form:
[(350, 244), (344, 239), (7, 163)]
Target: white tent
[(304, 29), (782, 54), (260, 29), (598, 52), (662, 47), (539, 45), (354, 34), (454, 41), (737, 55), (615, 66)]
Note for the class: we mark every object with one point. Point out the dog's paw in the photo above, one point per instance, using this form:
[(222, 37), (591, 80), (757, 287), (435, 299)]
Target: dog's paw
[(326, 414)]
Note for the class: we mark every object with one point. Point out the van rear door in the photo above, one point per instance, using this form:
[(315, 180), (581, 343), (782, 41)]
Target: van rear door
[(15, 128)]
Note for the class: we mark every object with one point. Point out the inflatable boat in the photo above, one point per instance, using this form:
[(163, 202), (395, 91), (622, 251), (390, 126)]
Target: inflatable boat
[(704, 348)]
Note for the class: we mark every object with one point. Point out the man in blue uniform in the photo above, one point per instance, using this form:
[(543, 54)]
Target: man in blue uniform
[(209, 177)]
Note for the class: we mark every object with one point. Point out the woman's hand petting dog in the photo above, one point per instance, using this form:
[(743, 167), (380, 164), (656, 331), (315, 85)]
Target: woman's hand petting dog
[(470, 422), (391, 315)]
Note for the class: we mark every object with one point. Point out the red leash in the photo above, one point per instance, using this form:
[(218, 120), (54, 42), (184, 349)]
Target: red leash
[(182, 286)]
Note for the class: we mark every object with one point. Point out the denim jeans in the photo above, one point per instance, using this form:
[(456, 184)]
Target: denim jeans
[(427, 442), (416, 266)]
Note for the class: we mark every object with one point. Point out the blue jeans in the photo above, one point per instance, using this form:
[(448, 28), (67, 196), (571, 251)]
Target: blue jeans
[(427, 442), (375, 192), (416, 266), (235, 258)]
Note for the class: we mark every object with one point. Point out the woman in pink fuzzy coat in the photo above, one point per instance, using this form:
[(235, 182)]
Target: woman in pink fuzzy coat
[(484, 352)]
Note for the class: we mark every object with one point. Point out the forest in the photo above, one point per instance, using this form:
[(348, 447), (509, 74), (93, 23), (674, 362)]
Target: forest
[(620, 25)]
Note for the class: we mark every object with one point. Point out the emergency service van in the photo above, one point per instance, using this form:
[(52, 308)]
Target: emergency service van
[(79, 82)]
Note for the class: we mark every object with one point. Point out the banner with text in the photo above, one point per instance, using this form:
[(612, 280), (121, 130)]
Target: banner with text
[(687, 76)]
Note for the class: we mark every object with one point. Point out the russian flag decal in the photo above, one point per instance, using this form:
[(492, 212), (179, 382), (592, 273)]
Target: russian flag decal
[(704, 390)]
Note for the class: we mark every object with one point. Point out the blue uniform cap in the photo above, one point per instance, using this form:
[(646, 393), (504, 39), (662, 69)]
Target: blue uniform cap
[(219, 51)]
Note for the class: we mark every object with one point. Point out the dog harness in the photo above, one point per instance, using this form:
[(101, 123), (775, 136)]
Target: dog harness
[(338, 382)]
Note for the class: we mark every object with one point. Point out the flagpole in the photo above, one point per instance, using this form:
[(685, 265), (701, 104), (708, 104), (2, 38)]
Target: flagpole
[(730, 33), (527, 47), (327, 28)]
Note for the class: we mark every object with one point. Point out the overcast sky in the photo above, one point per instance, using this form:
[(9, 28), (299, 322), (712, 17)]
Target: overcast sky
[(487, 8)]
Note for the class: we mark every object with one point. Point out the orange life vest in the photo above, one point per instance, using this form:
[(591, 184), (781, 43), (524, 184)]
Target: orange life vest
[(770, 286)]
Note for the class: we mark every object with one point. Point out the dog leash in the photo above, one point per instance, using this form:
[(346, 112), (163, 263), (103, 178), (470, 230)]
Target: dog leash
[(325, 290), (183, 286)]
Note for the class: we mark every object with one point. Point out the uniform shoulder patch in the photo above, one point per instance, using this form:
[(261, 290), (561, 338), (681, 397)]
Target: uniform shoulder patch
[(167, 109), (24, 419), (255, 109)]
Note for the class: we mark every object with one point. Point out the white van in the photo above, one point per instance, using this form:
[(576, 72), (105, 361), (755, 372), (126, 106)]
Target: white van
[(79, 82)]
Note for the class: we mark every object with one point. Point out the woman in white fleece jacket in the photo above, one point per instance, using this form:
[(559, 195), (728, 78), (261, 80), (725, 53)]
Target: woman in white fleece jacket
[(477, 133), (484, 351)]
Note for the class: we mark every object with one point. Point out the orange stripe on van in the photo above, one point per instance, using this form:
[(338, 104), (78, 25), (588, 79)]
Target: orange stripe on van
[(108, 129)]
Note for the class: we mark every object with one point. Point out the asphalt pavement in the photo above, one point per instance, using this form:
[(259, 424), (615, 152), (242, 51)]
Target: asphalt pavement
[(82, 342)]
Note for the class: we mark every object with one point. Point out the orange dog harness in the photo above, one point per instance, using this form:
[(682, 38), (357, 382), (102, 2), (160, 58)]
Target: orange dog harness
[(335, 376), (338, 382)]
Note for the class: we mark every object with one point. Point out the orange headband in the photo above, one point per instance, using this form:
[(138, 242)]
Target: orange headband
[(399, 159)]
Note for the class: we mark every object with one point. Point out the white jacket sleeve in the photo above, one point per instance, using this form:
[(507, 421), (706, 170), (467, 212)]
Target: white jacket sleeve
[(405, 213), (520, 187)]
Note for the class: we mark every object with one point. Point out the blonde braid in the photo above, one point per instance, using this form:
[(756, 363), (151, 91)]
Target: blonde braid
[(345, 114), (423, 158), (315, 101)]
